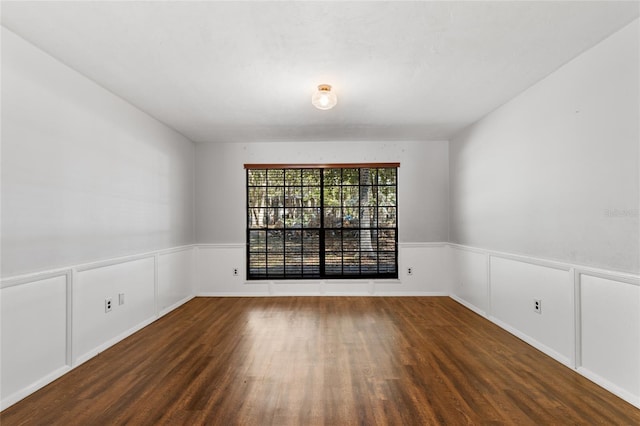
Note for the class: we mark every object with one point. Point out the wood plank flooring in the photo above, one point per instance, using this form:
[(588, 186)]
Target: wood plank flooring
[(321, 361)]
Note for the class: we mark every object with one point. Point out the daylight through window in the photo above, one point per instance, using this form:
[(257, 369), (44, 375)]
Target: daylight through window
[(328, 221)]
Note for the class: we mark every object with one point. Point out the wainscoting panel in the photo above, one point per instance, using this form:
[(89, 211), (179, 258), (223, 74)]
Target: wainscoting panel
[(429, 263), (94, 329), (469, 275), (589, 319), (610, 334), (514, 287), (430, 271), (34, 336), (175, 278), (214, 272), (54, 320)]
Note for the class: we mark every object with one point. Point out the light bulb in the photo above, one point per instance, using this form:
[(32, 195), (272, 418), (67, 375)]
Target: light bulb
[(324, 98)]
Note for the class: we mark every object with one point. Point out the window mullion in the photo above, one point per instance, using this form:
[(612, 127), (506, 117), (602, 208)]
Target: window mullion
[(342, 230), (359, 221), (321, 253), (284, 225), (302, 210)]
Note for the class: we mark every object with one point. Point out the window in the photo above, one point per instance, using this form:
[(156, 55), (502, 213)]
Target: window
[(326, 221)]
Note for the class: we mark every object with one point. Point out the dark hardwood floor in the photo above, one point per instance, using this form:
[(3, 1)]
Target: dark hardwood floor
[(322, 360)]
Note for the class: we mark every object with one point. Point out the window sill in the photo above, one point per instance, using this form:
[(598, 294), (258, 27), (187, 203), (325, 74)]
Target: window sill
[(327, 281)]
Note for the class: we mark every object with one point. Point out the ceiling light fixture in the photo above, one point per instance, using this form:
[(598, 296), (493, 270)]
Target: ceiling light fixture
[(324, 98)]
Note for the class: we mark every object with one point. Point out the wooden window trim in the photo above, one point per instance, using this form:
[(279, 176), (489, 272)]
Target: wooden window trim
[(323, 166), (345, 262)]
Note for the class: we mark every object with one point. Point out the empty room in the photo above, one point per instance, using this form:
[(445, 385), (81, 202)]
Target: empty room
[(320, 213)]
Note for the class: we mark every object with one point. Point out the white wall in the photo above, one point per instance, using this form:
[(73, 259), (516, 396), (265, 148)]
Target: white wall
[(422, 183), (554, 173), (85, 175), (422, 208), (544, 199)]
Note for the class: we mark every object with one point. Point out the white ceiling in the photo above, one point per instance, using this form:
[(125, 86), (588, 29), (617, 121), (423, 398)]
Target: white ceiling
[(245, 71)]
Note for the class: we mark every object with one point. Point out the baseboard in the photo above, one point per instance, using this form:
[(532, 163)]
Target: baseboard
[(468, 305), (176, 305), (533, 342), (525, 338), (611, 387), (332, 294), (586, 373), (28, 390), (106, 345)]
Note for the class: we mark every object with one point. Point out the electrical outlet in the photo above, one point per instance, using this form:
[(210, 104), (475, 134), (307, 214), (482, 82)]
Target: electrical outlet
[(537, 306), (121, 299), (409, 270), (235, 272), (108, 305)]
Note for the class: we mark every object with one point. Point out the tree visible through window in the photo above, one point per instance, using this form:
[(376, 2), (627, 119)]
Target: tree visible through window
[(329, 221)]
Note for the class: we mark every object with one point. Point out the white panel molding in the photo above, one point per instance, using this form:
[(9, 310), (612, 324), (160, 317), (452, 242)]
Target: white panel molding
[(423, 245), (609, 352), (577, 320), (117, 260), (549, 263), (113, 262), (156, 290), (518, 257), (575, 277), (175, 249), (38, 352), (33, 277), (433, 251), (466, 248), (164, 284), (430, 278), (57, 272), (222, 246), (514, 285), (487, 258), (71, 279), (70, 274), (609, 275)]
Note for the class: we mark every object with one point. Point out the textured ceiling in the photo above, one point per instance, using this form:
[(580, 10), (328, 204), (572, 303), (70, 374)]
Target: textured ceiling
[(245, 71)]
